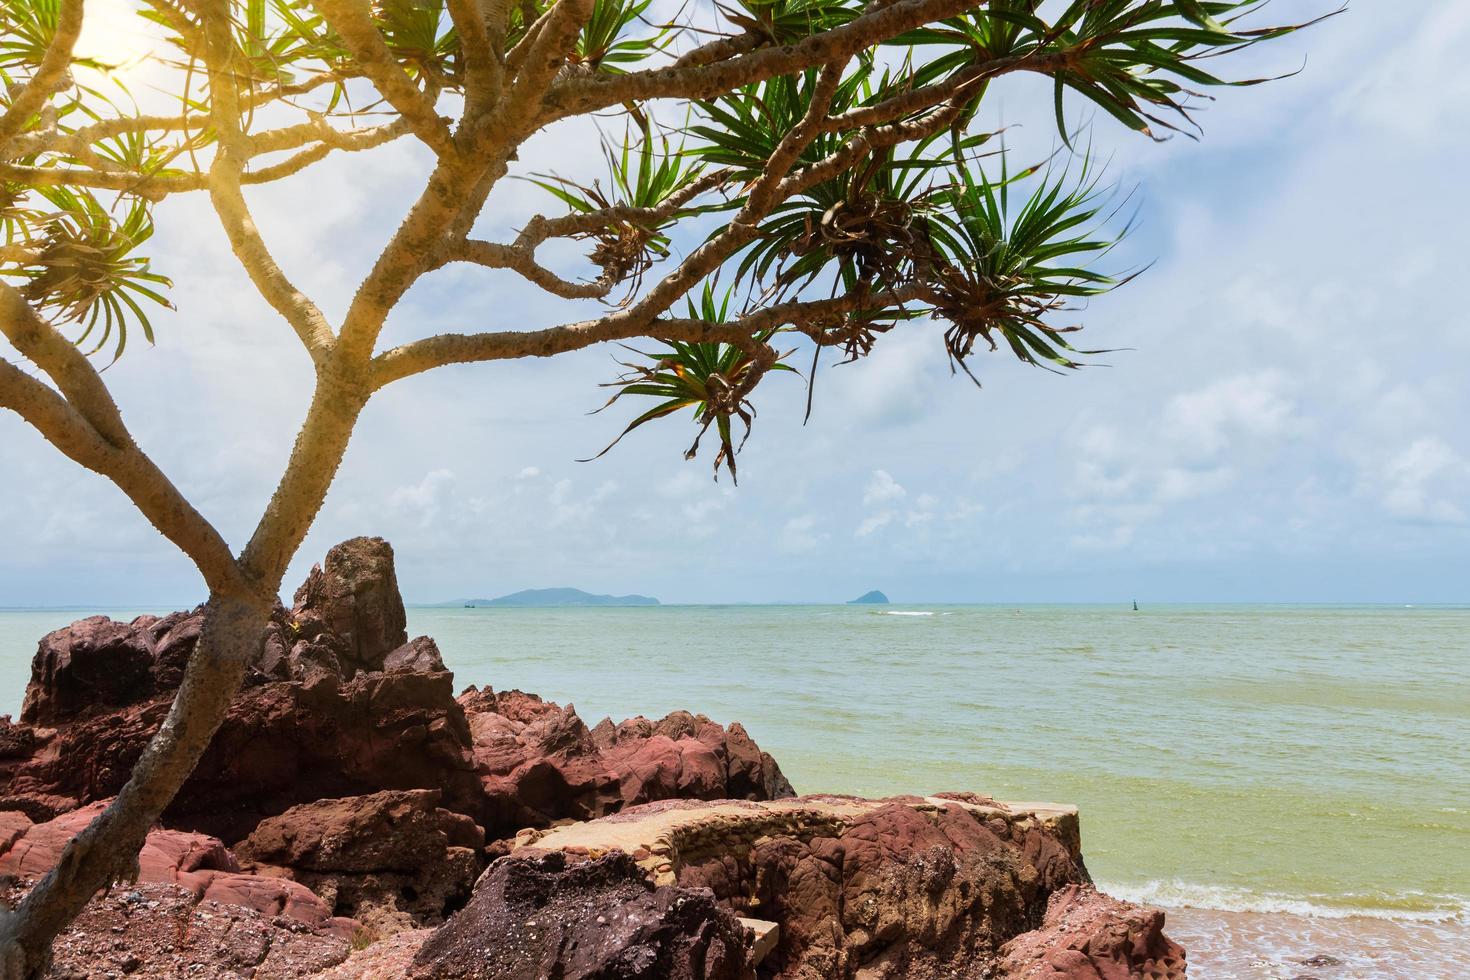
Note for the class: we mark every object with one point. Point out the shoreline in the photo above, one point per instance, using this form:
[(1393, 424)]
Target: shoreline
[(1236, 945)]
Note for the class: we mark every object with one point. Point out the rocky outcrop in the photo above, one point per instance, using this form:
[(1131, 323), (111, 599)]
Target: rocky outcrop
[(353, 786), (349, 607), (1091, 936), (393, 860), (340, 703), (538, 762), (908, 887), (348, 617), (282, 744), (537, 917), (92, 666)]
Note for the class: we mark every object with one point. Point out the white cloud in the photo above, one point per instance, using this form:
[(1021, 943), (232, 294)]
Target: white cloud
[(425, 497), (1418, 483), (882, 488)]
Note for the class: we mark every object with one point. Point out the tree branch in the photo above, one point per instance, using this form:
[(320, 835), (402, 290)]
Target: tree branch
[(584, 94), (445, 349), (68, 367), (353, 22), (229, 202), (51, 75), (523, 261), (541, 228)]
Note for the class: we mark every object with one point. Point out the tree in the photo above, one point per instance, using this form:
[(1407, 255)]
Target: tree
[(825, 166)]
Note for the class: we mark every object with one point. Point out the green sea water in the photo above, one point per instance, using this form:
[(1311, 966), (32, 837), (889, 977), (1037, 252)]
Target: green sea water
[(1277, 758)]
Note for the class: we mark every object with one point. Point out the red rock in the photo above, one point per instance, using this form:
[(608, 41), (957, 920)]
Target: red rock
[(1091, 936), (539, 763), (354, 596), (392, 860), (388, 831), (421, 654), (88, 667), (13, 826)]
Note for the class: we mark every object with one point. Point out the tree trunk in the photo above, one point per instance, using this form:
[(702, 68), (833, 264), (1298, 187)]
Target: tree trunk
[(107, 851)]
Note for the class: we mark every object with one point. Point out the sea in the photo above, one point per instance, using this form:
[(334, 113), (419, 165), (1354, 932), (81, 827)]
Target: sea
[(1291, 783)]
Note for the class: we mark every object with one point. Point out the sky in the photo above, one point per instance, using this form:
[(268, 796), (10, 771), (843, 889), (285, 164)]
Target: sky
[(1287, 420)]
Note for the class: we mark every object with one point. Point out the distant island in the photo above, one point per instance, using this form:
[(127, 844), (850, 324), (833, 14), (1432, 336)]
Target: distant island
[(874, 598), (560, 597)]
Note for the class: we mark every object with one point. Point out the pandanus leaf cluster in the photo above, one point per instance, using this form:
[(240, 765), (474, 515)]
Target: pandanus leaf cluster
[(711, 380)]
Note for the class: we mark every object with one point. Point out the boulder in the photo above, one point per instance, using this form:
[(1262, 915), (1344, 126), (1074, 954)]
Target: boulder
[(283, 743), (537, 917), (87, 668), (421, 655), (897, 891), (539, 763), (353, 597), (1091, 936), (393, 860)]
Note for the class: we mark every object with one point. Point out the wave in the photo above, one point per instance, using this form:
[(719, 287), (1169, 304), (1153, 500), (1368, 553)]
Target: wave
[(899, 612), (1406, 906)]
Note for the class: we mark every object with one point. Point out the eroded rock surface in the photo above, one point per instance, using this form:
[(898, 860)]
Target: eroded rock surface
[(393, 860), (538, 917), (539, 762), (1091, 936), (909, 887)]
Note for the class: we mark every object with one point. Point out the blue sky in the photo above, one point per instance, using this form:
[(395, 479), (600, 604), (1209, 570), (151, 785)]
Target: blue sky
[(1290, 423)]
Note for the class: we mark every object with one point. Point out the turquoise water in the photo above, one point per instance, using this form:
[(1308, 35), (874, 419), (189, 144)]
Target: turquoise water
[(1301, 759)]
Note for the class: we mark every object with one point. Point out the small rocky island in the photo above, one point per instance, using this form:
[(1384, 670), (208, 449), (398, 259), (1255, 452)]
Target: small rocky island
[(561, 597), (355, 819), (874, 598)]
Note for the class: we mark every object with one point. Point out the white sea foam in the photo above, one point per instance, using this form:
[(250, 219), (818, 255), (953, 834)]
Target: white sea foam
[(899, 612), (1408, 906)]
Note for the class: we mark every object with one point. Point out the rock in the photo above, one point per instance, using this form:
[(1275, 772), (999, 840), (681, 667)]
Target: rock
[(909, 887), (13, 826), (538, 917), (387, 959), (420, 654), (86, 668), (282, 744), (354, 596), (1091, 936), (392, 860), (539, 763), (897, 891), (199, 866)]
